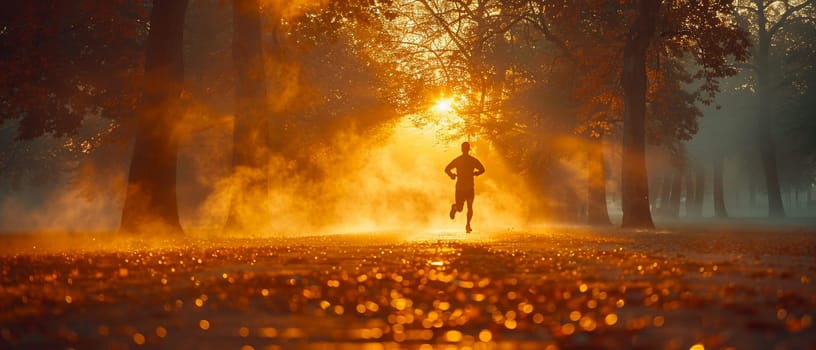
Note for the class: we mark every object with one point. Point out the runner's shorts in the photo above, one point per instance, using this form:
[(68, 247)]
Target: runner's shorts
[(464, 195)]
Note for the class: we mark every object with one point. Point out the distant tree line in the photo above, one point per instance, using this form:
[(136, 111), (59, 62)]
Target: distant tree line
[(587, 90)]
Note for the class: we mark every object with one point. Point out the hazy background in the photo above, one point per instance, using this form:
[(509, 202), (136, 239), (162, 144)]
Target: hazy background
[(370, 121)]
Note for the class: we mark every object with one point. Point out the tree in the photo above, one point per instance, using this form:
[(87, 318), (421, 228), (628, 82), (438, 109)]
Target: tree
[(66, 81), (635, 191), (673, 209), (575, 58), (711, 41), (63, 61), (719, 196), (518, 92), (151, 202), (800, 110), (322, 87), (251, 130), (84, 59), (597, 211), (769, 18), (690, 42)]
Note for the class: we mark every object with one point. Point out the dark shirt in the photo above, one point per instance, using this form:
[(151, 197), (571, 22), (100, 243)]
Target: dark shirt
[(466, 167)]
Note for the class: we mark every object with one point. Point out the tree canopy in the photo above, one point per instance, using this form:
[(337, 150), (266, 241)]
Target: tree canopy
[(540, 83)]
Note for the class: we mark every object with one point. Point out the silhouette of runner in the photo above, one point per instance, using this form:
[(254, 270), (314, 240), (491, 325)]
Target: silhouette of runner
[(466, 168)]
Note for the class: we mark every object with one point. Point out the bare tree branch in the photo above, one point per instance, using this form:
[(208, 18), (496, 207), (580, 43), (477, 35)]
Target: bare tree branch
[(790, 11), (552, 38), (745, 65), (446, 26)]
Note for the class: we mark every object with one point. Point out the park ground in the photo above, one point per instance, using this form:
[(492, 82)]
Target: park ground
[(701, 286)]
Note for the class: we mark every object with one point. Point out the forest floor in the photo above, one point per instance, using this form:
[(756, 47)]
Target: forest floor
[(704, 287)]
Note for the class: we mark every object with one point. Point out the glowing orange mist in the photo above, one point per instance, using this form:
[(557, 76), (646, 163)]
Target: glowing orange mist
[(444, 119)]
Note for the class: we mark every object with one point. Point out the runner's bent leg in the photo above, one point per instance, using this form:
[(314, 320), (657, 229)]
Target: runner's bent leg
[(469, 211), (461, 196), (469, 199)]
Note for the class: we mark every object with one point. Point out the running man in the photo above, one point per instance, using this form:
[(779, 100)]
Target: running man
[(466, 168)]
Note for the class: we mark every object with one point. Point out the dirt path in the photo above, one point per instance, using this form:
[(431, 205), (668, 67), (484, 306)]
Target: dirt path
[(557, 288)]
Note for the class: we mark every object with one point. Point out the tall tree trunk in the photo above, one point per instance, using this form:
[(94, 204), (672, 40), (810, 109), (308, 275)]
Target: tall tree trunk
[(570, 207), (665, 192), (719, 195), (796, 201), (150, 203), (789, 197), (673, 209), (737, 202), (636, 213), (752, 189), (598, 212), (690, 200), (251, 133), (282, 69), (767, 149), (655, 185), (699, 189)]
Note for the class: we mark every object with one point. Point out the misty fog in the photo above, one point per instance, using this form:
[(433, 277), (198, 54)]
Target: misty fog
[(368, 103)]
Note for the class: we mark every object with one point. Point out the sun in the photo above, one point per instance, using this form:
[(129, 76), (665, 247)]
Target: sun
[(443, 105)]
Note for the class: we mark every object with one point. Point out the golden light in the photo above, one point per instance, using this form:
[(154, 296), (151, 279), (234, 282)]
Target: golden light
[(443, 105), (138, 338), (443, 117), (485, 335)]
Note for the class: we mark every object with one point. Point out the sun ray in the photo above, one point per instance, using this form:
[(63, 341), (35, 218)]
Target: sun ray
[(443, 105)]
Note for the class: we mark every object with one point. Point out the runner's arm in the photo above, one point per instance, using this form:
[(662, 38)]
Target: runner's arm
[(449, 168), (479, 168)]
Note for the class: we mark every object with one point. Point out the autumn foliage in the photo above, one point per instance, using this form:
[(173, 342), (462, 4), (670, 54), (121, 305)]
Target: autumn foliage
[(549, 84)]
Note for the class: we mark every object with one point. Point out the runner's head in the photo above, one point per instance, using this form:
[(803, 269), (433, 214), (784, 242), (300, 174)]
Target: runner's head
[(465, 147)]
